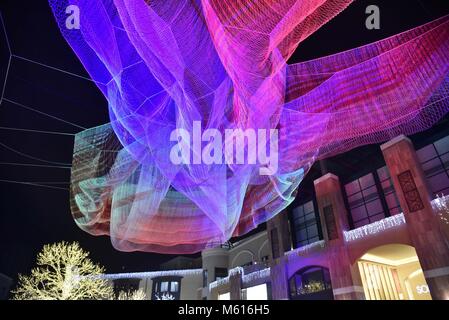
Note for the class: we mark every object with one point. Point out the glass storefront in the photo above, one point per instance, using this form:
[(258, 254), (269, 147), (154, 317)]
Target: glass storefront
[(224, 296), (393, 272)]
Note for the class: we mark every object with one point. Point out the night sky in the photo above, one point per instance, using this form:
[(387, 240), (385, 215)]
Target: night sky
[(31, 216)]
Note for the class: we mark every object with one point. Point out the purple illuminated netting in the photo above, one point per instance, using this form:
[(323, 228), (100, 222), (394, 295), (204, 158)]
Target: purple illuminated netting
[(164, 64)]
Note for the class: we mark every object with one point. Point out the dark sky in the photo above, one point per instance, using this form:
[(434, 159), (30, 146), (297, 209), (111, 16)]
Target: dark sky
[(31, 216)]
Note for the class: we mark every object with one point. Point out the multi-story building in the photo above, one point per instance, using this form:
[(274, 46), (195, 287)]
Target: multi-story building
[(364, 225)]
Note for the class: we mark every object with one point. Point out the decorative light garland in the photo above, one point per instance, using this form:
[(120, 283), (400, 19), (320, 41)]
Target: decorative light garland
[(246, 278), (218, 283), (151, 274), (236, 270), (306, 248), (257, 275), (375, 227)]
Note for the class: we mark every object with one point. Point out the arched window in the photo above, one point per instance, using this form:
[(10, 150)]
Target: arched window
[(311, 283)]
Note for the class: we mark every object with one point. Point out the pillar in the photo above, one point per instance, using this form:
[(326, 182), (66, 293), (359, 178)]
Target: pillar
[(235, 284), (213, 258), (414, 196), (345, 278), (279, 237), (279, 280)]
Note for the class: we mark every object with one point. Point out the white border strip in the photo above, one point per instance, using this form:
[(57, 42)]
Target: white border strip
[(346, 290), (438, 272)]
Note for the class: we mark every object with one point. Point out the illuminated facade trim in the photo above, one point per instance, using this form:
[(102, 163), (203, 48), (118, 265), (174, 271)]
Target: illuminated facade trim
[(375, 227)]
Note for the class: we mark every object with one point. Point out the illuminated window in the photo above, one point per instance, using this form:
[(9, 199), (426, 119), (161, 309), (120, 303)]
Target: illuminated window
[(259, 292), (224, 296), (174, 286), (434, 159), (365, 205), (305, 224), (166, 288)]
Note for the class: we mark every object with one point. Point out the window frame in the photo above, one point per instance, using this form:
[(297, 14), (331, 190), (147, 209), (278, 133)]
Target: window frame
[(305, 225), (442, 168), (157, 286)]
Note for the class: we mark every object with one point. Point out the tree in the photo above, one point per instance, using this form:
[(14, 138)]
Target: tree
[(64, 272)]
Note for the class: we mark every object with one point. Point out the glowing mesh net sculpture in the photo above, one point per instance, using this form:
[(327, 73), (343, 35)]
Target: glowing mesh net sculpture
[(164, 64)]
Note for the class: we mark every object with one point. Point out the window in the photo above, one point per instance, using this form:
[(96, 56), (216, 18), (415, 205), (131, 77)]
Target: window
[(221, 273), (174, 286), (224, 296), (305, 224), (434, 159), (265, 259), (311, 283), (259, 292), (166, 288), (204, 278), (365, 205)]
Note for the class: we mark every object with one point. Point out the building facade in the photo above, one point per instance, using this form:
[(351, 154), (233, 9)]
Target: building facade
[(379, 236), (372, 231)]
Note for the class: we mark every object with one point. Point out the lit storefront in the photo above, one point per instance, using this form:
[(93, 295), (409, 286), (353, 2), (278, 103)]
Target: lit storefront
[(259, 292), (393, 272)]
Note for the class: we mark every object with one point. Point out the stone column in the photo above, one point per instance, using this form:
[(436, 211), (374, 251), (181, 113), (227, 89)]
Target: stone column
[(235, 284), (346, 281), (279, 237), (415, 196), (279, 281), (279, 240)]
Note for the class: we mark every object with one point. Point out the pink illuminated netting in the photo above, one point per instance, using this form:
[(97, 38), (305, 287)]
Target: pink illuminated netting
[(164, 64)]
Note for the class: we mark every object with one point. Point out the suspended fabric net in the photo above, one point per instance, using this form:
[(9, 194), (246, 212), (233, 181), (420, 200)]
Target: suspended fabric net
[(165, 65)]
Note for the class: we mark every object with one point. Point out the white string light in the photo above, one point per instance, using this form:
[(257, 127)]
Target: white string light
[(307, 248), (257, 275), (375, 227), (246, 278), (151, 274)]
